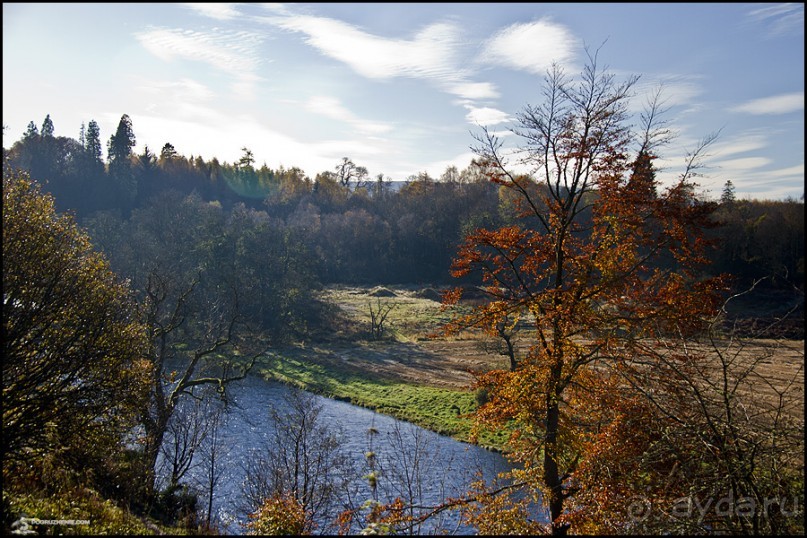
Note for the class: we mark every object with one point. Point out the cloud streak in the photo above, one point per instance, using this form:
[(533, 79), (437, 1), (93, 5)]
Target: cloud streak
[(215, 10), (777, 104), (781, 18)]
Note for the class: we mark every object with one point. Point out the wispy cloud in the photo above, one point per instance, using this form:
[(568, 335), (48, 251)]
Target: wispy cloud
[(332, 108), (676, 90), (232, 52), (531, 47), (780, 18), (777, 104), (743, 143), (433, 54), (742, 165), (215, 10), (778, 183)]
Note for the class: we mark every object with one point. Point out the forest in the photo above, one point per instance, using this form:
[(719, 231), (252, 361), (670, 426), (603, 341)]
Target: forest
[(135, 282), (356, 229)]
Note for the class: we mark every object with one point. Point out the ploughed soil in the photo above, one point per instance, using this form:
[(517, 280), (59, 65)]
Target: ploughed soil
[(407, 350)]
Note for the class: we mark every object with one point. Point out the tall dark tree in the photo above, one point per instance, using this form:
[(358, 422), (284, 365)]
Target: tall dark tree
[(92, 143), (168, 152), (47, 127), (32, 131), (120, 164), (728, 193)]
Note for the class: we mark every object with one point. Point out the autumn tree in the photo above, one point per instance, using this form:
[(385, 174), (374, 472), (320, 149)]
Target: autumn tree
[(579, 265), (710, 442), (73, 366)]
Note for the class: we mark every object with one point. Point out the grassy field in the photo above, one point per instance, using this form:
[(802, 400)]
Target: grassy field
[(428, 381)]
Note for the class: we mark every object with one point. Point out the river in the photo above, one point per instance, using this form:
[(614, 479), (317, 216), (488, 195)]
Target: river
[(451, 465)]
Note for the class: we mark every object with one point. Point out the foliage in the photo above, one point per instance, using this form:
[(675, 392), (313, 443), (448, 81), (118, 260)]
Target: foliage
[(73, 369), (104, 516), (495, 513), (367, 232), (600, 264), (279, 515)]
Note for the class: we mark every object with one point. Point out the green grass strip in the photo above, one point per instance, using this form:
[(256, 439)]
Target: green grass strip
[(440, 410)]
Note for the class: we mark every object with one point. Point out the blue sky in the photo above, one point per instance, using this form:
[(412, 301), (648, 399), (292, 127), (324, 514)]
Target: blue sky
[(401, 88)]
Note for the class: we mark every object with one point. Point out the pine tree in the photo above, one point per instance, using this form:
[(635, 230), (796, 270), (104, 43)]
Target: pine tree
[(120, 164), (31, 133), (47, 127), (92, 143)]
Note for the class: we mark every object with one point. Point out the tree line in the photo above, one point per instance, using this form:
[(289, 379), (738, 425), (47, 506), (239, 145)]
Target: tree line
[(357, 229)]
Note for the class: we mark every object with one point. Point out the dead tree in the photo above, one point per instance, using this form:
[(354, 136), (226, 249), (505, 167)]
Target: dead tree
[(378, 315)]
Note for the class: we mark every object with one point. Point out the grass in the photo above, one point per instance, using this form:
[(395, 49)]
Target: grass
[(444, 411), (79, 505)]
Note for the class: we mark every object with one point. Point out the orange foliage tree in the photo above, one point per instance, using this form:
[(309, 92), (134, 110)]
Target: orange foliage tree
[(595, 263)]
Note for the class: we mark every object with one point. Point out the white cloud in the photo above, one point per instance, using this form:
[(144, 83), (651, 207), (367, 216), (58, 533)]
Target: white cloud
[(332, 108), (215, 10), (433, 54), (428, 55), (486, 116), (232, 52), (531, 47), (473, 90), (777, 104), (797, 170)]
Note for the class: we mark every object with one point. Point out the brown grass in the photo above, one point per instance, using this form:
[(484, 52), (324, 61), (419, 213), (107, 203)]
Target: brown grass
[(409, 355)]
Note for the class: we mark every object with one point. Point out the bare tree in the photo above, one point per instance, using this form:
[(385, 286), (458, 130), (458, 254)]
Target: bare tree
[(378, 315), (188, 359), (303, 459), (214, 460), (347, 171), (734, 431)]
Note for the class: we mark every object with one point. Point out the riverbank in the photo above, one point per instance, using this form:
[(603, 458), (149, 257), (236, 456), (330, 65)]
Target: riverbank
[(363, 375)]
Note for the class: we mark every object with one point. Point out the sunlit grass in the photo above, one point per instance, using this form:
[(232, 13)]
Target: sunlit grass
[(447, 412)]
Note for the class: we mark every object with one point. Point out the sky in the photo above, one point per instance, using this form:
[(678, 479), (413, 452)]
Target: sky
[(405, 88)]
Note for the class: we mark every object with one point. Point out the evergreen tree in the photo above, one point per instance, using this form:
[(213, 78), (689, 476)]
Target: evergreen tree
[(47, 127), (92, 142), (31, 133), (728, 193), (120, 163)]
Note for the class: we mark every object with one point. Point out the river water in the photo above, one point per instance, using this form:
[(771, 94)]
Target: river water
[(450, 464)]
